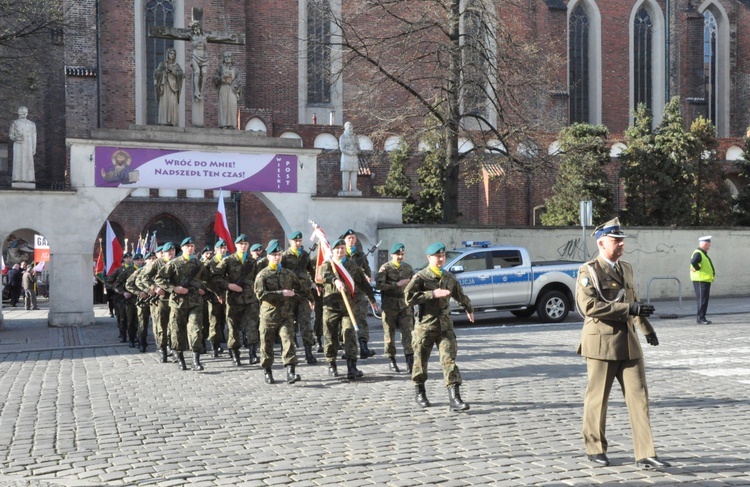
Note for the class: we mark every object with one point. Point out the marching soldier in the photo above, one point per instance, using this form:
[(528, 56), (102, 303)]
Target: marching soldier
[(143, 309), (205, 257), (216, 308), (159, 298), (184, 277), (127, 299), (605, 294), (279, 291), (117, 299), (360, 301), (256, 251), (392, 278), (431, 289), (297, 260)]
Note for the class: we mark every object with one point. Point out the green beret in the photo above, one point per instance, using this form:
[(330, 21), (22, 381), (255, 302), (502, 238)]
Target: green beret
[(187, 241), (207, 248), (273, 247), (398, 247), (436, 248), (348, 232), (167, 246), (220, 243), (294, 235), (240, 238), (127, 255), (138, 256), (256, 246), (159, 248), (149, 255), (338, 243)]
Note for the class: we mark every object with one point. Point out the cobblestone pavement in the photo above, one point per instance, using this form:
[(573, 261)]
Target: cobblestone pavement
[(78, 408)]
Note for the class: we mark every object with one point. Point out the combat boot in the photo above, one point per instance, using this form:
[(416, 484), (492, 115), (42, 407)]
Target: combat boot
[(454, 395), (163, 355), (181, 361), (332, 370), (291, 376), (142, 347), (392, 365), (235, 354), (352, 372), (216, 349), (320, 344), (421, 396), (268, 375), (309, 357), (409, 362), (197, 366), (252, 352), (364, 352)]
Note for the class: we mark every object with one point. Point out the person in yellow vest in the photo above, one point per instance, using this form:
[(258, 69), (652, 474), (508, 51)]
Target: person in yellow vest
[(702, 273)]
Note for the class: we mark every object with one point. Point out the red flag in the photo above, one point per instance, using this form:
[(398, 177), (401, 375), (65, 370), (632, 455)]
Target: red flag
[(99, 268), (220, 225), (114, 251)]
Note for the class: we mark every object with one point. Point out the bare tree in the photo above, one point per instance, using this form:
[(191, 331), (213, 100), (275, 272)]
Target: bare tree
[(473, 66)]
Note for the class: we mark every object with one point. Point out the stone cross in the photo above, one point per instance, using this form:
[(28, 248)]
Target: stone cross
[(199, 55)]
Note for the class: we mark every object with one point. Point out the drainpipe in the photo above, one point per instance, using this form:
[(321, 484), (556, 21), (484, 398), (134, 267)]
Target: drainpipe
[(667, 39), (99, 64)]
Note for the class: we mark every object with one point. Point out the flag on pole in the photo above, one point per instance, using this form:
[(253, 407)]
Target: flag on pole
[(114, 251), (220, 225), (99, 268), (326, 253), (3, 269), (39, 267)]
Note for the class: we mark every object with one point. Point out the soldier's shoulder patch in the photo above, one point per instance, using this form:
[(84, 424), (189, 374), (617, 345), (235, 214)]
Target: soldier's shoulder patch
[(584, 281)]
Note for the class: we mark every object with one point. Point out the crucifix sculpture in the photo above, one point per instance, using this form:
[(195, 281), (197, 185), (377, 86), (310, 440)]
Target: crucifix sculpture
[(199, 55)]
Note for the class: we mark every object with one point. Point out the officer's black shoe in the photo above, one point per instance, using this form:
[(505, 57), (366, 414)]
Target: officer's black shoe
[(309, 357), (181, 361), (409, 362), (320, 344), (332, 370), (704, 322), (253, 354), (600, 459), (235, 354), (420, 395), (392, 365), (291, 376), (652, 463), (456, 404), (197, 361), (163, 355), (352, 372), (268, 375)]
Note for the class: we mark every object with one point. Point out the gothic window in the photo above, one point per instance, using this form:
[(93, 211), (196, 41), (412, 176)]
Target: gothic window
[(643, 32), (318, 52), (710, 64), (578, 64), (168, 229), (161, 13), (475, 59)]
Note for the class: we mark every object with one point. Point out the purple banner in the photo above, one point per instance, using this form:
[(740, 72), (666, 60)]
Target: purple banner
[(155, 168)]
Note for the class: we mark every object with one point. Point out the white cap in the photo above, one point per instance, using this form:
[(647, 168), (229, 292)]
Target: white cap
[(705, 238)]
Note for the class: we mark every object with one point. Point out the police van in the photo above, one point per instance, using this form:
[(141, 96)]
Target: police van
[(503, 277)]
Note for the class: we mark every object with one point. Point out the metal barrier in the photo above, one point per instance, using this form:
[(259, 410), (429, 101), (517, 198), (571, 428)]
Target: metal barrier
[(648, 287)]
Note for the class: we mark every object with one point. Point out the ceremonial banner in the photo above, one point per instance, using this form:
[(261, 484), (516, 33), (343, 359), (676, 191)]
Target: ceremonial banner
[(169, 169), (41, 249)]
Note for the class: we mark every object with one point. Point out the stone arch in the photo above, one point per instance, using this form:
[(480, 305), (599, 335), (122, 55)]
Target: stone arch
[(735, 153), (294, 136), (256, 125), (365, 143), (326, 141), (594, 57), (392, 143), (18, 246)]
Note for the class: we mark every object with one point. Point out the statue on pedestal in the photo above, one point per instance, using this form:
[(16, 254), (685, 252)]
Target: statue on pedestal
[(227, 80), (23, 134), (349, 145), (168, 78)]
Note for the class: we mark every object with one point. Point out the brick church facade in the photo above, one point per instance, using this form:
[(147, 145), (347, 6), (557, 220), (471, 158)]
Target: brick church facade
[(100, 75)]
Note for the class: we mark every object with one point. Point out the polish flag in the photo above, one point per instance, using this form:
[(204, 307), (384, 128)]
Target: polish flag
[(113, 251), (220, 225), (326, 253), (3, 269)]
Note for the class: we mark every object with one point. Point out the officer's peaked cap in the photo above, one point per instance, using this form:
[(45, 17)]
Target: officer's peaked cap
[(610, 229)]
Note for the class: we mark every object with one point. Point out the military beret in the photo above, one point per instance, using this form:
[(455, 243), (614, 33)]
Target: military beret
[(255, 247), (240, 238), (167, 246), (187, 241), (398, 247), (348, 232), (220, 243), (159, 248), (273, 247), (138, 256), (338, 243), (207, 248), (127, 255), (610, 229), (149, 255), (436, 248), (294, 235)]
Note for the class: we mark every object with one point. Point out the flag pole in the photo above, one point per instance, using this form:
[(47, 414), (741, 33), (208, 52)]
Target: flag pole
[(346, 299)]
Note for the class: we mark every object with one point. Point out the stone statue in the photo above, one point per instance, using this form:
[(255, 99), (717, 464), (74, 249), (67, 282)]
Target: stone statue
[(349, 146), (168, 78), (198, 58), (23, 134), (227, 80)]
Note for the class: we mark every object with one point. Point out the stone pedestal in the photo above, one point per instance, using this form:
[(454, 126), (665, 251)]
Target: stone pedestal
[(355, 192), (23, 185), (197, 113)]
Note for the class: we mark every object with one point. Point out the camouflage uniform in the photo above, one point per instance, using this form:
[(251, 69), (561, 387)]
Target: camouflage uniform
[(335, 316), (435, 325), (128, 307), (143, 311), (185, 323), (216, 310), (160, 312), (117, 299), (242, 307), (361, 304), (277, 312), (303, 268), (396, 314)]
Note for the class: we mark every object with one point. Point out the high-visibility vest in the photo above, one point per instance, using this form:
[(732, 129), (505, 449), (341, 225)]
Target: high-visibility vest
[(706, 272)]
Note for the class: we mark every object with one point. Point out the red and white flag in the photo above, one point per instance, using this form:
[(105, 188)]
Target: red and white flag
[(39, 267), (113, 251), (220, 225), (326, 253), (2, 265)]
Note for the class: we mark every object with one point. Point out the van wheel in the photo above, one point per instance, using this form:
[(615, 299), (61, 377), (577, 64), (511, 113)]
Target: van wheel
[(523, 313), (553, 307)]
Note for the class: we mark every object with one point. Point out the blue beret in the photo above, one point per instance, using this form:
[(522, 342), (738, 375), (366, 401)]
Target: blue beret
[(348, 232), (149, 255), (255, 246), (240, 238), (187, 241), (159, 248), (167, 246), (398, 247), (294, 235), (138, 256), (207, 248), (436, 248), (220, 243), (338, 243), (273, 247)]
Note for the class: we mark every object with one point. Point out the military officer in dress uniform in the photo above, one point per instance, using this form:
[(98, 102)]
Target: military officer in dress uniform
[(392, 278), (431, 289), (605, 294)]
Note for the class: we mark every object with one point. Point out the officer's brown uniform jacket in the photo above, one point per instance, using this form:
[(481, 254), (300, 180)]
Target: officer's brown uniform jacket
[(608, 330)]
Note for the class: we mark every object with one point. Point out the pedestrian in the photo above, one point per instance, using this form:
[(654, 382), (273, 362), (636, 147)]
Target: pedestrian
[(185, 277), (431, 290), (28, 283), (297, 260), (392, 278), (605, 294), (279, 291), (702, 273), (360, 299), (337, 319), (15, 284)]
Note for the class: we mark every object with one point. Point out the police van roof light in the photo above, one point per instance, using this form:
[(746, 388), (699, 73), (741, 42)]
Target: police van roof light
[(476, 243)]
